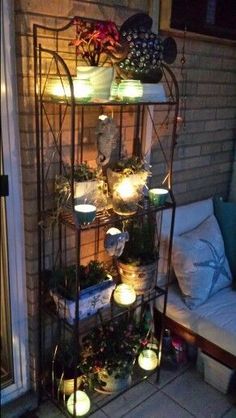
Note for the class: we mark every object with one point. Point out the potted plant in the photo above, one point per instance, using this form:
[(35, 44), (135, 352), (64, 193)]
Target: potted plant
[(97, 42), (96, 287), (109, 353), (127, 179), (137, 265), (89, 186), (64, 369)]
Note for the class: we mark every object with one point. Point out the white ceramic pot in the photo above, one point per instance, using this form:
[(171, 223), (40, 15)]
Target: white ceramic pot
[(110, 383), (100, 78)]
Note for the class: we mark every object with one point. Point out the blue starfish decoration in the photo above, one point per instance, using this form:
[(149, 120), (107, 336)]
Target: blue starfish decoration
[(217, 263)]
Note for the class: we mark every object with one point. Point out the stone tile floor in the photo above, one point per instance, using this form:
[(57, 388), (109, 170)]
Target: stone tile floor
[(179, 394)]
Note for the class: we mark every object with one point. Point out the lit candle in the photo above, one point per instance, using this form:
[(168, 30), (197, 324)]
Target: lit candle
[(60, 88), (125, 197), (148, 359), (84, 214), (158, 196), (124, 294), (83, 89), (130, 90), (81, 401)]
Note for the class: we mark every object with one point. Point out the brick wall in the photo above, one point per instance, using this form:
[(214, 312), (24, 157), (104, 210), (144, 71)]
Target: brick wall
[(204, 153), (203, 157)]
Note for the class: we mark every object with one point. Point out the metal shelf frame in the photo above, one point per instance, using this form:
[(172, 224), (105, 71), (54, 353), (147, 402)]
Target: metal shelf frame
[(60, 128)]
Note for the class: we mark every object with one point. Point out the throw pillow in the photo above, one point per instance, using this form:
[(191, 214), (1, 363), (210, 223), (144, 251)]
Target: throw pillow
[(199, 262), (225, 213)]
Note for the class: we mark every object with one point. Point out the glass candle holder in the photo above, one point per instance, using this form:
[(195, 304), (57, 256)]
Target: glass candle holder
[(148, 359), (130, 90), (158, 196), (124, 295), (57, 87), (84, 214), (80, 402), (83, 89), (125, 197)]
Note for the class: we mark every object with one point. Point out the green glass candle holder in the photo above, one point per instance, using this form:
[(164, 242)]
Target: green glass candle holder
[(158, 196), (130, 90)]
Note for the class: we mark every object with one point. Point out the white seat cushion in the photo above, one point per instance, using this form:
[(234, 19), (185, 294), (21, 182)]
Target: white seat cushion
[(215, 320)]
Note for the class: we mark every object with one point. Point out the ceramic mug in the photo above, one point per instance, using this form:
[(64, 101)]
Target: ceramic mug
[(84, 214), (158, 196)]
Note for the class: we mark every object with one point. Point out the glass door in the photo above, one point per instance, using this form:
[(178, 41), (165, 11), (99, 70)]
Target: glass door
[(14, 323), (7, 372)]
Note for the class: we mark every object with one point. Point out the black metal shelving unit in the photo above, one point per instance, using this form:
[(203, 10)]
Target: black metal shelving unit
[(61, 126)]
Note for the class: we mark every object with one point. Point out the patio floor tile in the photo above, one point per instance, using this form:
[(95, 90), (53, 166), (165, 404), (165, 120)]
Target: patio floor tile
[(192, 393)]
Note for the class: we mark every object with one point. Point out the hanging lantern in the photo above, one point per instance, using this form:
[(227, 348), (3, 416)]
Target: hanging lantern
[(124, 295), (81, 401), (148, 359)]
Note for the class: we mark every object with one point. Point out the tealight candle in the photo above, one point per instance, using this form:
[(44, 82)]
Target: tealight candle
[(158, 196), (148, 359), (84, 214), (124, 295), (81, 401)]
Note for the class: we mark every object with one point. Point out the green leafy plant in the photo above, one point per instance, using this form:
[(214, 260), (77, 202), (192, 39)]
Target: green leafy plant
[(64, 279), (83, 172), (141, 248), (129, 166)]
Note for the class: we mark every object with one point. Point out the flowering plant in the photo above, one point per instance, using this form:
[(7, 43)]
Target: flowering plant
[(97, 40), (113, 347)]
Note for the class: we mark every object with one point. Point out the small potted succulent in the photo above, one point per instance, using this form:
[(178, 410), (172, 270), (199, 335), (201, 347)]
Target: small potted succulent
[(96, 43), (96, 287), (127, 179), (137, 265), (109, 353)]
